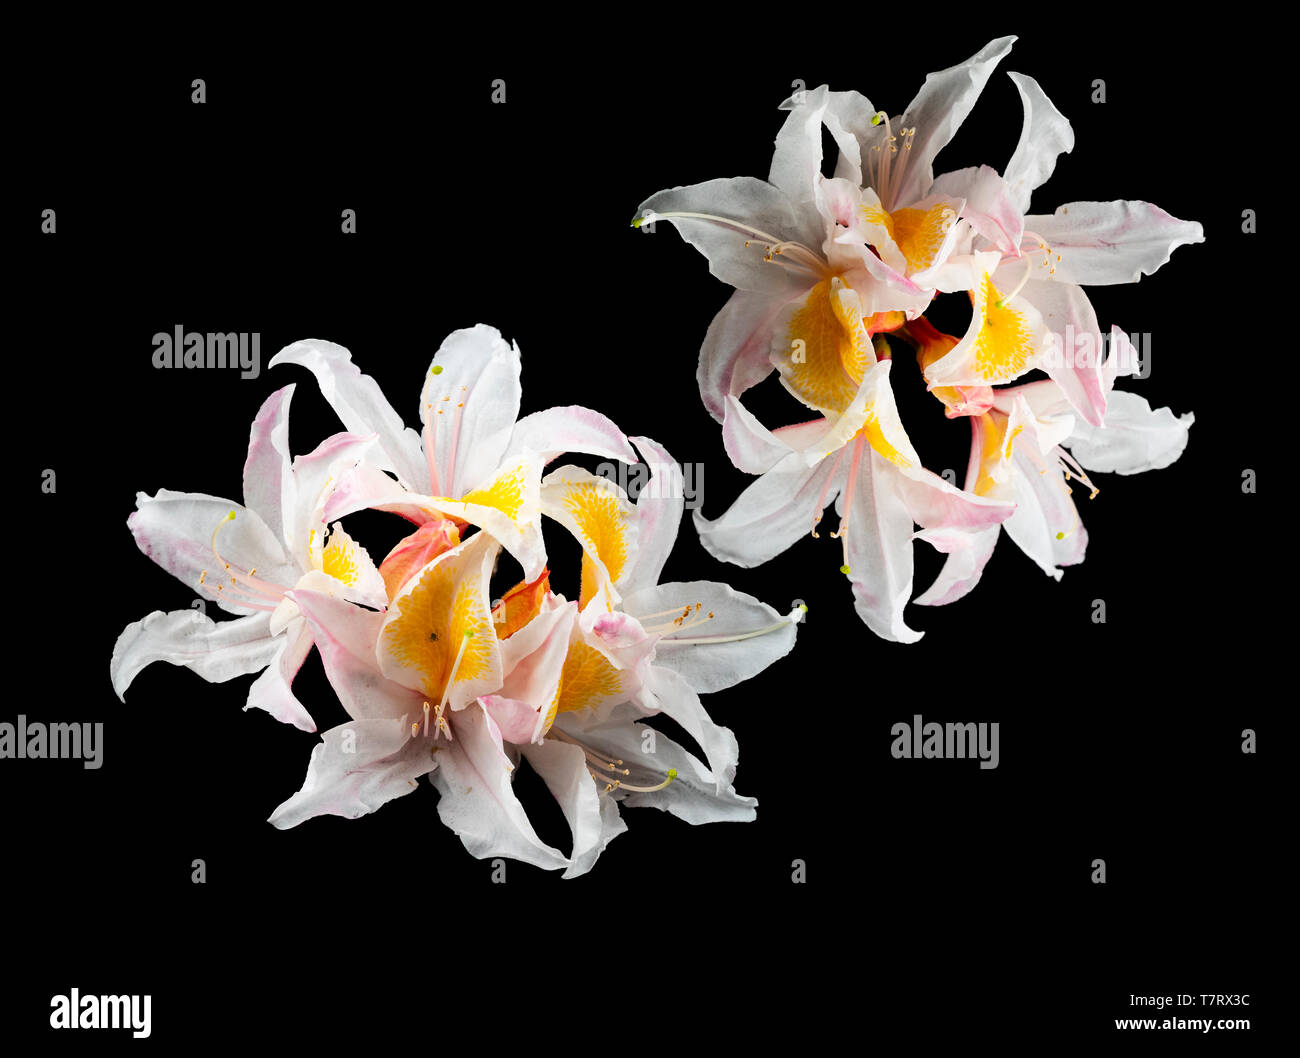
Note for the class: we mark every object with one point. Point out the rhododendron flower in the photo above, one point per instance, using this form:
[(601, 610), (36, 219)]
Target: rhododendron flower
[(860, 256), (247, 559), (444, 686), (860, 457), (475, 461), (1019, 452)]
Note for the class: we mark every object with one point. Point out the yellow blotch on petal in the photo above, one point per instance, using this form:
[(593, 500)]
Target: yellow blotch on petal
[(1005, 342), (919, 233), (506, 493), (995, 449), (827, 349), (586, 680), (875, 435), (339, 559), (430, 627), (602, 523)]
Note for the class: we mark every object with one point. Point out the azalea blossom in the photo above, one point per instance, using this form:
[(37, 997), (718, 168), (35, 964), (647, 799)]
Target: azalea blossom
[(845, 261), (1028, 447), (475, 462), (247, 559), (445, 686)]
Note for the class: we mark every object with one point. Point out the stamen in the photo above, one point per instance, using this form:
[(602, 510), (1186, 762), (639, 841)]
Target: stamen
[(826, 487), (455, 668), (245, 583), (842, 531), (1002, 301)]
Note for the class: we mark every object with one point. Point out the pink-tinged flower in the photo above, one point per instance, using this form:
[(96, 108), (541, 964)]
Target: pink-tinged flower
[(248, 559), (475, 461), (792, 244), (858, 456), (443, 686), (1025, 274), (1019, 453)]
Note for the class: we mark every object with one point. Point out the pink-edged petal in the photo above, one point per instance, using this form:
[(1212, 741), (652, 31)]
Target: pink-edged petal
[(1102, 243), (346, 636), (532, 660), (356, 768), (968, 553), (272, 691), (175, 530), (734, 355), (1073, 358), (1045, 524), (989, 207), (216, 650), (315, 476), (754, 448), (361, 406), (268, 470), (468, 408)]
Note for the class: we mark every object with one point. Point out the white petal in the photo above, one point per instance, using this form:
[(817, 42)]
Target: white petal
[(469, 403), (879, 550), (937, 113), (477, 799), (1102, 243), (659, 507), (1045, 135), (594, 821), (272, 691), (216, 650), (1135, 437), (175, 530), (268, 470), (772, 513), (711, 666), (361, 406), (968, 554), (763, 215), (357, 768)]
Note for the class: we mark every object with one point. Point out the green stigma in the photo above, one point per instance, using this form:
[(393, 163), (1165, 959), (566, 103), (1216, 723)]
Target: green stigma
[(803, 607), (1060, 536), (230, 517), (637, 222), (436, 369), (845, 569), (672, 774), (876, 118)]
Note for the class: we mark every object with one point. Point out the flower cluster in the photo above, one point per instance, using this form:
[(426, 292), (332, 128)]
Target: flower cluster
[(444, 672), (833, 275)]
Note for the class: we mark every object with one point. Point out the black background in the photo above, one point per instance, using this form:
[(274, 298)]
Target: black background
[(940, 898)]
